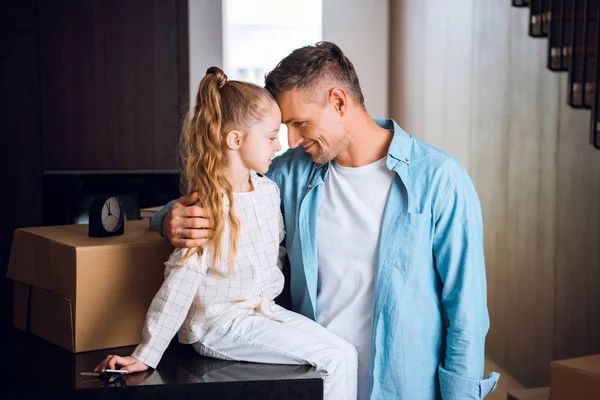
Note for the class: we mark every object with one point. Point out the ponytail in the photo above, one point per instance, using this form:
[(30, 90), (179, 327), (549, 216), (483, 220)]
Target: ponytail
[(204, 166), (221, 106)]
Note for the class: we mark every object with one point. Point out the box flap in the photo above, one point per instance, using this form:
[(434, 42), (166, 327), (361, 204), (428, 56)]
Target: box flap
[(588, 364), (51, 317), (45, 256), (149, 212), (38, 261), (20, 305), (79, 285), (76, 236)]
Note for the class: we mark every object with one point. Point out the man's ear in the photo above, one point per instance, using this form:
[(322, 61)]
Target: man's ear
[(233, 140), (339, 99)]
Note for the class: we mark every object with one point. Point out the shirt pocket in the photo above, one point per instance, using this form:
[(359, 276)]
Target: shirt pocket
[(418, 240)]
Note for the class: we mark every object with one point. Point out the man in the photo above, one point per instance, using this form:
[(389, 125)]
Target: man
[(384, 236)]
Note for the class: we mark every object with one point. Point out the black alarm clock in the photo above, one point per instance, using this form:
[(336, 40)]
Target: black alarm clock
[(107, 217)]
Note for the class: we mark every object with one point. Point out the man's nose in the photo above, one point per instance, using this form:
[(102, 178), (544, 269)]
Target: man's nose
[(294, 138)]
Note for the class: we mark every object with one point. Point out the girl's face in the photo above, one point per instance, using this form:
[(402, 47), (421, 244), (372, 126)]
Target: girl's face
[(261, 142)]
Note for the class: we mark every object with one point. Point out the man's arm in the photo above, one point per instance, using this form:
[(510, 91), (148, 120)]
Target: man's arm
[(458, 251), (183, 222), (170, 306), (157, 219), (186, 224)]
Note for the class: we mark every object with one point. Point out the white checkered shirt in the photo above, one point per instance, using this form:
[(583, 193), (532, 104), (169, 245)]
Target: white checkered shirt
[(196, 296)]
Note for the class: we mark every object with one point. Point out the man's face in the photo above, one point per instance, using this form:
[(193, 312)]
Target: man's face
[(316, 127)]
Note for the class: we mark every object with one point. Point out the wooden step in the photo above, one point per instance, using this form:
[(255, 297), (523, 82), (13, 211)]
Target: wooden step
[(543, 12), (582, 99), (560, 59), (549, 16), (595, 117), (558, 33), (582, 51), (520, 3), (583, 81), (595, 129), (538, 17)]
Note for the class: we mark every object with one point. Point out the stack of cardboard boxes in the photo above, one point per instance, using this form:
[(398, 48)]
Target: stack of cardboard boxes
[(85, 293)]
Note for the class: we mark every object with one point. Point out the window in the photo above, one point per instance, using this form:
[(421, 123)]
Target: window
[(257, 34)]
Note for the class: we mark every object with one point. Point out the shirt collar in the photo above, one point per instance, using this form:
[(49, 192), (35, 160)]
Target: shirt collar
[(401, 144)]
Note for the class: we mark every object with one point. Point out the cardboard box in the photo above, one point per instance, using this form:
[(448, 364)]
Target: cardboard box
[(85, 293), (148, 213), (575, 378), (542, 393)]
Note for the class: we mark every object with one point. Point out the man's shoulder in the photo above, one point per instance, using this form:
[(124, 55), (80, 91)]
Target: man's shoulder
[(263, 182), (433, 172), (430, 160), (422, 157)]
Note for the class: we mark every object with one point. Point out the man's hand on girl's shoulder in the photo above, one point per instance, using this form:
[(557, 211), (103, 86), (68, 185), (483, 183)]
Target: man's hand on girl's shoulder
[(186, 224)]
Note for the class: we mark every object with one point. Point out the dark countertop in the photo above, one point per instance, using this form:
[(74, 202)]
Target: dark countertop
[(33, 368)]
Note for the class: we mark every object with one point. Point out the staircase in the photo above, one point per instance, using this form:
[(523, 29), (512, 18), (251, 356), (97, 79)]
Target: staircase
[(573, 31)]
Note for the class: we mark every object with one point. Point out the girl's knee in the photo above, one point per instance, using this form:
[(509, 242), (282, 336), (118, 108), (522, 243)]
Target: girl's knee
[(334, 360), (347, 348)]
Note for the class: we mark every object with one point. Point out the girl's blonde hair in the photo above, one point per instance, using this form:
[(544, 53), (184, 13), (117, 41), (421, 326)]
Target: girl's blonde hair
[(221, 106)]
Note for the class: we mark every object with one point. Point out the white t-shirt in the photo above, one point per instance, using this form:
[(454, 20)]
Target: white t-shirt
[(351, 206)]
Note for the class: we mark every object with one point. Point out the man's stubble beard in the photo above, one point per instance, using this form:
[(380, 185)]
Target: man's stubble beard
[(323, 156)]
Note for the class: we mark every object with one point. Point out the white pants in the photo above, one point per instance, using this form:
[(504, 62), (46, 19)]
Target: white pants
[(295, 340)]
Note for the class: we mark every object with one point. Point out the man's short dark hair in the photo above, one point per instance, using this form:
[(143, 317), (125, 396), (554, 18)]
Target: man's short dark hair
[(307, 66)]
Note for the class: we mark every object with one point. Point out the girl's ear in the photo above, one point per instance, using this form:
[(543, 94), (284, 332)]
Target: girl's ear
[(233, 140)]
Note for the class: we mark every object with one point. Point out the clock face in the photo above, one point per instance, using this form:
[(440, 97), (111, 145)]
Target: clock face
[(111, 215)]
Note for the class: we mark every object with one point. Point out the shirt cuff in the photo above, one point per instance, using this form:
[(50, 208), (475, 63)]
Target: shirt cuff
[(456, 387), (157, 219), (147, 354)]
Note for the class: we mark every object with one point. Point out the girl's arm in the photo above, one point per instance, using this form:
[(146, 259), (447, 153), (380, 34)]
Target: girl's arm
[(170, 306), (282, 249)]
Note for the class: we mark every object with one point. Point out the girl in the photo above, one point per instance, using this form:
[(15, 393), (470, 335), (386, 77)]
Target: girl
[(221, 297)]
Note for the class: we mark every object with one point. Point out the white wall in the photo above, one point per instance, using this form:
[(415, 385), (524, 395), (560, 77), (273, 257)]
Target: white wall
[(361, 29), (467, 78), (206, 40)]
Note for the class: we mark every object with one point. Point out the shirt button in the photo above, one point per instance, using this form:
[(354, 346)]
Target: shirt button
[(406, 159), (309, 185)]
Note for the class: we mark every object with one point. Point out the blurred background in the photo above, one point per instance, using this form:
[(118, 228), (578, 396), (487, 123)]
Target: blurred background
[(93, 93)]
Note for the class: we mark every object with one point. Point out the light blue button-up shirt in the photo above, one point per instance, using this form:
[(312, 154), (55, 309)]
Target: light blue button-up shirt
[(430, 313)]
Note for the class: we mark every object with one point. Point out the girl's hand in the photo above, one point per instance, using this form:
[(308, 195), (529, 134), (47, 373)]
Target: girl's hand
[(129, 364)]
